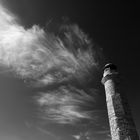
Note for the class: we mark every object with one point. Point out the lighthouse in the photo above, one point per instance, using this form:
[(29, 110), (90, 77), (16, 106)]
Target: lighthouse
[(121, 123)]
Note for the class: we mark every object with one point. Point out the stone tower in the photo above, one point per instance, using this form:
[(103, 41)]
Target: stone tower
[(121, 123)]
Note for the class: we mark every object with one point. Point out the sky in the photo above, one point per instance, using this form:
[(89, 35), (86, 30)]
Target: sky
[(61, 97)]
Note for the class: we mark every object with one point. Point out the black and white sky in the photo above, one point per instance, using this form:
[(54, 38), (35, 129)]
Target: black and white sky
[(51, 58)]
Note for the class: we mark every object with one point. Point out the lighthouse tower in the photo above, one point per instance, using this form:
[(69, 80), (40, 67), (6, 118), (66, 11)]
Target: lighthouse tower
[(121, 123)]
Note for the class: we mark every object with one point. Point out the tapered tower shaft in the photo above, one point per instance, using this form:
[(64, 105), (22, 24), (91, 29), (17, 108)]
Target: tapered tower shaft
[(121, 123)]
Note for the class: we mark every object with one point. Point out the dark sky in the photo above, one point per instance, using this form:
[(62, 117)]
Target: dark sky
[(113, 25)]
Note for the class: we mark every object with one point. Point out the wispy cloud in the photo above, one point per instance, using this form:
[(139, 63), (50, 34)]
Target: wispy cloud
[(67, 105), (42, 56), (47, 59)]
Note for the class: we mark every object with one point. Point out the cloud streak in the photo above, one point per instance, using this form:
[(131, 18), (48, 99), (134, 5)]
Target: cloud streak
[(40, 55), (67, 105), (47, 59)]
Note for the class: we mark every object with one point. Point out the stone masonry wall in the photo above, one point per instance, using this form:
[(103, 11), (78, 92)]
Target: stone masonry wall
[(121, 123)]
